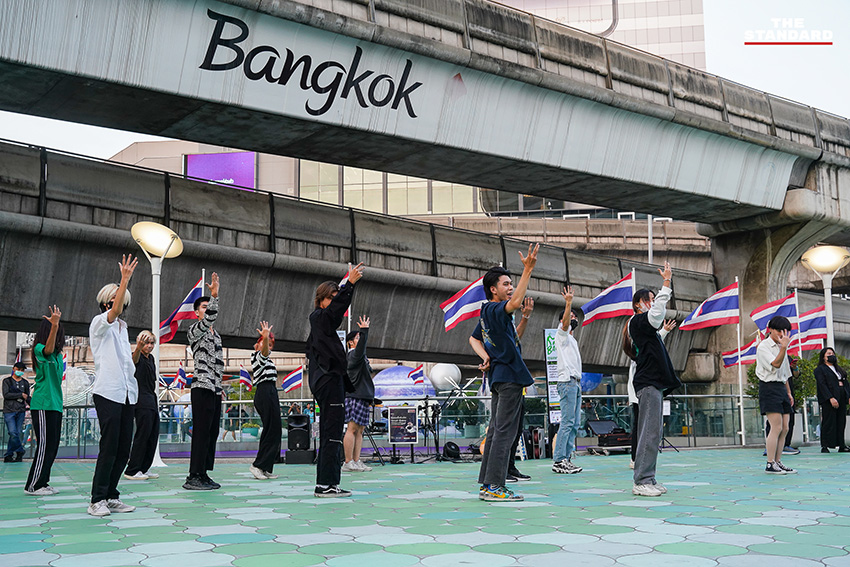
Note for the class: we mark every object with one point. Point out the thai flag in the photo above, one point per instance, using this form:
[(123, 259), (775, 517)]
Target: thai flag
[(786, 307), (18, 356), (615, 301), (180, 381), (812, 330), (719, 309), (293, 380), (185, 311), (64, 365), (465, 304), (245, 378), (747, 354), (417, 375)]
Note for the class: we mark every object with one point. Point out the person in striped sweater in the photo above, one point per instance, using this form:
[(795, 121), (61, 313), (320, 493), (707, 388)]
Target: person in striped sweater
[(267, 403)]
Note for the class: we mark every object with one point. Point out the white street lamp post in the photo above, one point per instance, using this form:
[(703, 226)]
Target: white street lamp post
[(825, 261), (157, 242)]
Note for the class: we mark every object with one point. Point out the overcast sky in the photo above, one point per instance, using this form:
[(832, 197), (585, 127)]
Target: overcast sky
[(813, 75)]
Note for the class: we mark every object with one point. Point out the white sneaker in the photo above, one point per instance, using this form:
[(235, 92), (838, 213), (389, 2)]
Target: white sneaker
[(646, 490), (258, 474), (632, 465), (150, 474), (350, 466), (661, 487), (99, 508), (43, 491), (270, 475), (138, 476), (363, 467), (115, 505), (52, 490)]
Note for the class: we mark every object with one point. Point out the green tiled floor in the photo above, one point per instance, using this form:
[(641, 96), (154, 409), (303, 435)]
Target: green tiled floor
[(721, 509)]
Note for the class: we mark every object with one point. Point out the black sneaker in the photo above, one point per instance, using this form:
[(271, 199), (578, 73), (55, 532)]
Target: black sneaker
[(332, 491), (518, 475), (19, 457), (773, 468), (511, 478), (790, 451), (786, 470), (211, 482), (8, 459), (195, 482), (844, 449), (824, 450)]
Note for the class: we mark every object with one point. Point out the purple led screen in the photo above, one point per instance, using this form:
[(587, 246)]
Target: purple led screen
[(233, 168)]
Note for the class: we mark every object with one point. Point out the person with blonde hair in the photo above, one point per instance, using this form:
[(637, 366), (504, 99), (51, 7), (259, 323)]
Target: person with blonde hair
[(146, 411), (115, 391)]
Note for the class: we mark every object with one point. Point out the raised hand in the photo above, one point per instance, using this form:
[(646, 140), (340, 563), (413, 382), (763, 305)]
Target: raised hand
[(355, 273), (55, 315), (669, 325), (530, 260), (666, 272), (363, 323), (784, 338), (127, 266), (567, 294), (213, 285), (265, 329), (527, 307)]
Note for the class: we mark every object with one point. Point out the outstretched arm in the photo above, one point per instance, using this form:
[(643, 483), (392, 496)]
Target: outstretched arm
[(567, 294), (528, 263), (264, 330), (127, 266), (656, 313), (55, 315), (527, 308)]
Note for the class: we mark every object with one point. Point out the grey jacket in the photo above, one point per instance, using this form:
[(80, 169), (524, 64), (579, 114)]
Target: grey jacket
[(359, 370)]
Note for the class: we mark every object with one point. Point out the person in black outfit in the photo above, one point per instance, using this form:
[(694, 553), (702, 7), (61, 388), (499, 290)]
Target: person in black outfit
[(833, 393), (329, 379), (16, 393), (146, 411)]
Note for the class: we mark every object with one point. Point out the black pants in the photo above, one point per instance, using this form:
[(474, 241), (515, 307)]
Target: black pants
[(512, 462), (206, 421), (635, 415), (330, 395), (144, 440), (790, 430), (116, 435), (505, 414), (833, 422), (268, 406), (47, 426)]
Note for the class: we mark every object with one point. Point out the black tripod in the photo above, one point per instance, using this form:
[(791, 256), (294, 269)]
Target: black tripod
[(432, 423)]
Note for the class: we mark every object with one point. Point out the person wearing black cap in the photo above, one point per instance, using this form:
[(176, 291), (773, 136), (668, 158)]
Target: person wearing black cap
[(16, 394)]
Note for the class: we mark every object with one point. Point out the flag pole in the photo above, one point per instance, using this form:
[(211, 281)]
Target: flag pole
[(349, 307), (797, 312), (740, 370)]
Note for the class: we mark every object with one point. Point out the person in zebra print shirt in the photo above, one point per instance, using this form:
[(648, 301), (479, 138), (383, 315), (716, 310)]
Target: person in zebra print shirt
[(267, 404), (206, 392)]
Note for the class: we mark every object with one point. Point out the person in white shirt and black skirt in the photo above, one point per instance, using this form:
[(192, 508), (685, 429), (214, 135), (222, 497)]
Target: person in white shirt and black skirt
[(267, 404)]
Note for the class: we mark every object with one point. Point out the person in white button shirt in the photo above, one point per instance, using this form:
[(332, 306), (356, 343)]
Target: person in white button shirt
[(569, 388), (115, 392), (775, 399)]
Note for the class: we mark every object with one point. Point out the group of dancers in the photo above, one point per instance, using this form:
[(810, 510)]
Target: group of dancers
[(341, 382)]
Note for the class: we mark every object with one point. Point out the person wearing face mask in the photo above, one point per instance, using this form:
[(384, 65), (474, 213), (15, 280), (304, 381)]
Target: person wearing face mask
[(146, 411), (16, 394), (629, 349), (833, 394), (654, 378), (569, 388), (775, 398)]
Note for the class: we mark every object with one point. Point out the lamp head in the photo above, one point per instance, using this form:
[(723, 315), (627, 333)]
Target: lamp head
[(826, 259), (157, 240)]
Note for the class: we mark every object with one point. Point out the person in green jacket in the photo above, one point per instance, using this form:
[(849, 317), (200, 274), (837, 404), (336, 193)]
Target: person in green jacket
[(46, 403)]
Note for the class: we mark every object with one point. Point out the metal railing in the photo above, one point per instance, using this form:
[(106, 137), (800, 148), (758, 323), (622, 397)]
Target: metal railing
[(692, 421)]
